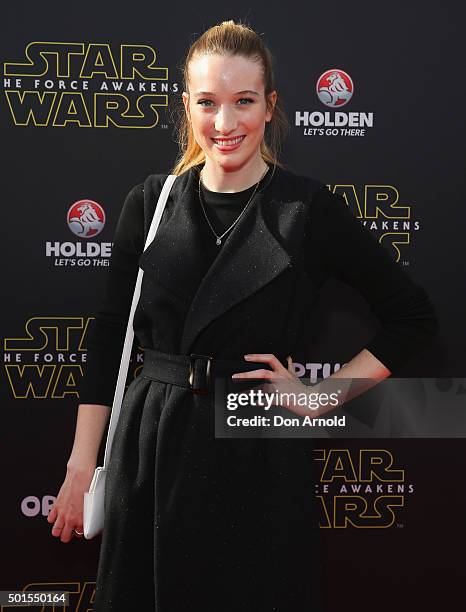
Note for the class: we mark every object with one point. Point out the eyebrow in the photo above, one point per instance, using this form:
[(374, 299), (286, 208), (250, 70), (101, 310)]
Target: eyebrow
[(245, 91)]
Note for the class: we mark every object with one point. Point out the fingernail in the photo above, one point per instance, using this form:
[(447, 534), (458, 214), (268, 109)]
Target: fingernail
[(247, 356)]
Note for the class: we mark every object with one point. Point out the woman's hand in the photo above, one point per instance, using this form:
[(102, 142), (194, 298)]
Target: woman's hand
[(283, 380), (67, 511)]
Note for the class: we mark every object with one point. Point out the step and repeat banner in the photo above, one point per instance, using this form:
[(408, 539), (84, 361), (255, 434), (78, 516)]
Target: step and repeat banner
[(373, 96)]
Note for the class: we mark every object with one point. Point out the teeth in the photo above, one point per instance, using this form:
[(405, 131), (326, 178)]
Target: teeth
[(225, 143)]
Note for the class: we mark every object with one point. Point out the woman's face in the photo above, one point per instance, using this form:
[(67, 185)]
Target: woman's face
[(225, 103)]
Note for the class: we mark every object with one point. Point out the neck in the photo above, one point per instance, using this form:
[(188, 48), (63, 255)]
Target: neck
[(217, 178)]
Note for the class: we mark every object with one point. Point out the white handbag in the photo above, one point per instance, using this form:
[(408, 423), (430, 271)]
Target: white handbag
[(94, 499)]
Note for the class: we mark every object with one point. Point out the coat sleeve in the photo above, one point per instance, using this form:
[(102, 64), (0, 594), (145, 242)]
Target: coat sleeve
[(106, 332), (347, 250)]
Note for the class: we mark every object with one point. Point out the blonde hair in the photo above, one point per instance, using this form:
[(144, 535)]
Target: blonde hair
[(230, 38)]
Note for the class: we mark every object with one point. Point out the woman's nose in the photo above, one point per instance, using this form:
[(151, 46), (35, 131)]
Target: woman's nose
[(225, 121)]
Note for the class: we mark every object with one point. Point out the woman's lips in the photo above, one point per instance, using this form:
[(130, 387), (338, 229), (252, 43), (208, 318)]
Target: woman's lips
[(225, 147)]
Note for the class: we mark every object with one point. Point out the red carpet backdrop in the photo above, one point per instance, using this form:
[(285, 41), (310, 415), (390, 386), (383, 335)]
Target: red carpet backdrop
[(373, 93)]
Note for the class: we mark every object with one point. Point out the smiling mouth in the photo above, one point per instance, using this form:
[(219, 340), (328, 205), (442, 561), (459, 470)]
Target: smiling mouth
[(226, 142)]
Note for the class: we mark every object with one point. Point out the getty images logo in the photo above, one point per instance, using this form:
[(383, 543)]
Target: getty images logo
[(334, 89), (85, 219)]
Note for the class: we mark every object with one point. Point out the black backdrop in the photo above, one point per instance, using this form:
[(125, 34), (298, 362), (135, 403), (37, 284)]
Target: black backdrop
[(405, 63)]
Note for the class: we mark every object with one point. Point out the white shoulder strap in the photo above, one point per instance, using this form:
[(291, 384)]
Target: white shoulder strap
[(129, 338)]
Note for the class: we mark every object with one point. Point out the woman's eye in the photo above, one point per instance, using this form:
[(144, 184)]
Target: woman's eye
[(201, 102)]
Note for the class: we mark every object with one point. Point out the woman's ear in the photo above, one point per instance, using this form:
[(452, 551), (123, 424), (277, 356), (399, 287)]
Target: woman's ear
[(271, 101), (185, 97)]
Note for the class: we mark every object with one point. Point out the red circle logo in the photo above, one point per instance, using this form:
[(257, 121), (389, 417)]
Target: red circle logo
[(335, 88), (86, 218)]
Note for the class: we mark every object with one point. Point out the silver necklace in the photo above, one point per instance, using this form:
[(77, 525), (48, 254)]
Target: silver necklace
[(219, 238)]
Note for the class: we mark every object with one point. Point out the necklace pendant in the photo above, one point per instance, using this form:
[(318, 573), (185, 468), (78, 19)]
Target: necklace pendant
[(219, 241)]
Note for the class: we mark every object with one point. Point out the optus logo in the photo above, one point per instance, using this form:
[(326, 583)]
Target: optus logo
[(86, 218), (335, 88)]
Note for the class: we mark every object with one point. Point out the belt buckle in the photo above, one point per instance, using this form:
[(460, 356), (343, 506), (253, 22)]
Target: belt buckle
[(199, 390)]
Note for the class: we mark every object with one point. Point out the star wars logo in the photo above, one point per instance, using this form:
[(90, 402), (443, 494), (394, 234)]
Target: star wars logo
[(62, 84), (359, 489), (381, 209), (48, 361)]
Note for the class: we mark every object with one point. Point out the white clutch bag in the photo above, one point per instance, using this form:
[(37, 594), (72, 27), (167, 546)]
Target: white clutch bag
[(94, 499)]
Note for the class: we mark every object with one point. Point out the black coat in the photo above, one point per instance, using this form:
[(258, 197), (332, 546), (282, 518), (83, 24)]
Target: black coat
[(258, 294), (257, 267), (198, 522)]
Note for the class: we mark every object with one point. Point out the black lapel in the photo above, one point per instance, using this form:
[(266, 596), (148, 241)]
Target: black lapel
[(176, 256), (249, 258)]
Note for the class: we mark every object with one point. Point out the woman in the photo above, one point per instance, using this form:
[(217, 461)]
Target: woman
[(243, 247)]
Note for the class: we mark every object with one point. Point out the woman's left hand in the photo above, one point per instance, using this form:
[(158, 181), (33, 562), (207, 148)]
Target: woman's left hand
[(283, 380)]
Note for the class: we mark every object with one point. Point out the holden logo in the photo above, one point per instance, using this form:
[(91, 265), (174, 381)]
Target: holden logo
[(86, 218), (335, 88)]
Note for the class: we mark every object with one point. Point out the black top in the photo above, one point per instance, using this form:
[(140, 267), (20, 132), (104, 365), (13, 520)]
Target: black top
[(223, 209), (340, 247)]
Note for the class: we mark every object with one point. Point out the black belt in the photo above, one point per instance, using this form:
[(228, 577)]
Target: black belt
[(195, 372)]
